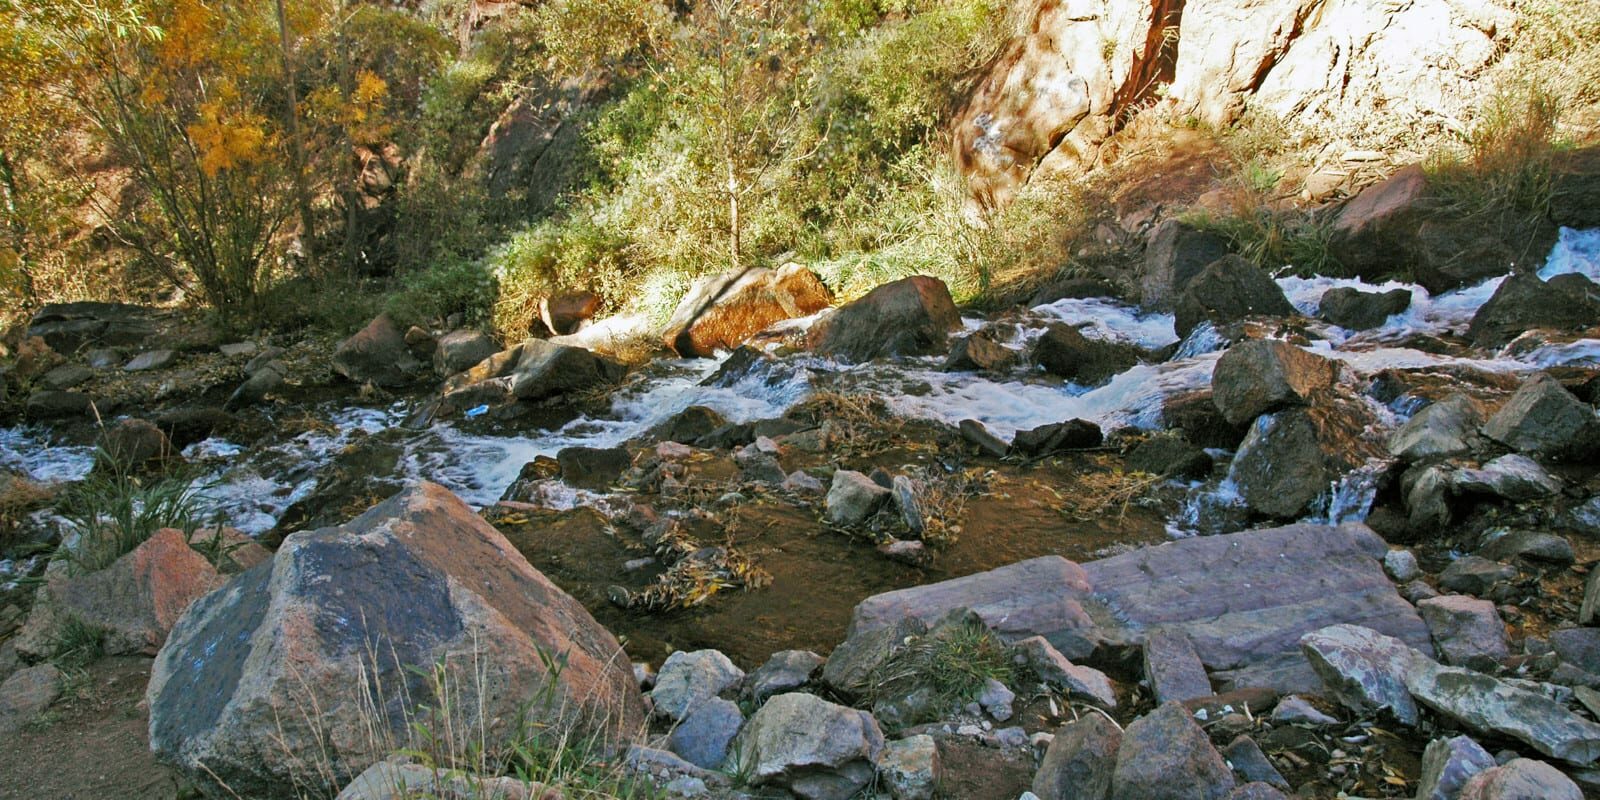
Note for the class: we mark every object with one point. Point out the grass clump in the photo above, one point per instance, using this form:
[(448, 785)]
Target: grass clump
[(1504, 164), (77, 644), (108, 515), (949, 666)]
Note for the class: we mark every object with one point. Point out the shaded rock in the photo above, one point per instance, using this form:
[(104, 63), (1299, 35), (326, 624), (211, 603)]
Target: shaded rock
[(134, 602), (1037, 597), (389, 780), (185, 426), (688, 680), (1467, 631), (1174, 254), (1575, 189), (1173, 668), (1524, 302), (1261, 375), (784, 671), (977, 433), (1256, 791), (911, 316), (564, 313), (133, 445), (1488, 705), (377, 354), (1510, 477), (690, 425), (593, 468), (1291, 457), (1065, 352), (1074, 434), (66, 376), (1077, 682), (1474, 575), (815, 749), (1196, 416), (910, 767), (1427, 495), (1534, 545), (1446, 766), (49, 404), (981, 353), (419, 580), (720, 312), (1169, 456), (26, 694), (906, 492), (850, 667), (153, 359), (1520, 779), (459, 350), (1357, 310), (1364, 669), (1440, 430), (702, 737), (1579, 647), (1080, 760), (533, 370), (853, 498), (1590, 609), (1229, 290), (1544, 419), (1165, 756), (1251, 765), (255, 388)]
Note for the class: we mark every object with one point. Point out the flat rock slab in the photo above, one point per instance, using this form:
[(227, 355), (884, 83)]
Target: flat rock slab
[(1248, 597)]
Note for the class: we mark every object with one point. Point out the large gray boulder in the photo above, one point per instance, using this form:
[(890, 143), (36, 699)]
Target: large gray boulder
[(1358, 310), (1544, 419), (266, 669), (1262, 375), (1524, 302), (1292, 457), (1166, 756), (911, 316), (816, 749)]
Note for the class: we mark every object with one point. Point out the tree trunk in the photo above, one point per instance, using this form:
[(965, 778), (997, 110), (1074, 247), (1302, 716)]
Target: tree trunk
[(297, 153)]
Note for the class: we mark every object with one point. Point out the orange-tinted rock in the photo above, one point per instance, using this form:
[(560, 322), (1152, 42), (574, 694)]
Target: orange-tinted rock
[(722, 311)]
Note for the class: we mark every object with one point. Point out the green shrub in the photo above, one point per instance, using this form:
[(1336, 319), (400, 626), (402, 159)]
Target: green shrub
[(453, 287), (954, 661), (1504, 163), (108, 515)]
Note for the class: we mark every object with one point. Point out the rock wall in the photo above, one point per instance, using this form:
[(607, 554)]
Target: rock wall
[(1080, 66)]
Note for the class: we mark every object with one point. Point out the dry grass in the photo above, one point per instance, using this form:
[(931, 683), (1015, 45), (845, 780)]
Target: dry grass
[(861, 424), (1107, 489)]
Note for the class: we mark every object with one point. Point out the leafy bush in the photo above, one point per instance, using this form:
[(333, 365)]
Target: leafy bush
[(453, 287)]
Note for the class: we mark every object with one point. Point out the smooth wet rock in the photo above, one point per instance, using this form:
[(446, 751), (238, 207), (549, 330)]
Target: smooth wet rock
[(417, 581), (1442, 429), (910, 767), (1261, 375), (853, 498), (851, 665), (977, 433), (1520, 779), (1532, 545), (1525, 301), (1229, 290), (1166, 756), (1467, 631), (784, 671), (687, 680), (135, 601), (377, 354), (1076, 681), (1173, 668), (459, 350), (1080, 760), (26, 694), (1357, 310), (816, 749), (1036, 597), (703, 736), (1544, 419), (1447, 764), (1364, 669), (1512, 477), (1488, 705), (1063, 351), (1475, 575), (911, 316), (721, 312), (1252, 765)]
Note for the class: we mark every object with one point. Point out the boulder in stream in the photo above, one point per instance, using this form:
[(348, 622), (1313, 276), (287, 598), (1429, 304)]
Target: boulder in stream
[(721, 311), (377, 354), (911, 316)]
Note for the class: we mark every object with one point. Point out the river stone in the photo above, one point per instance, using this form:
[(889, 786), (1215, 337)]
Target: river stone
[(1261, 375), (530, 371), (1364, 669), (1078, 682), (1523, 301), (1063, 351), (1251, 765), (153, 359), (376, 354), (1401, 565), (389, 780), (1521, 779), (721, 312), (418, 581), (1512, 477), (1173, 668), (1533, 545), (703, 736), (911, 316), (459, 350), (1165, 756), (1475, 575), (1173, 255), (1169, 456), (1246, 598), (784, 671), (1036, 597), (851, 665), (1440, 430), (1579, 647), (1281, 467), (1079, 761), (51, 404), (26, 694), (1447, 764), (910, 767), (1543, 419), (1228, 290), (1074, 434), (1356, 310), (66, 376), (1488, 705), (979, 434), (593, 468), (816, 749), (687, 680), (980, 352), (853, 498), (135, 601), (1468, 631)]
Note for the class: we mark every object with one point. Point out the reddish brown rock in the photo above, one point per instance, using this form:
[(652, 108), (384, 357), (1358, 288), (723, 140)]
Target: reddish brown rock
[(563, 313), (722, 311)]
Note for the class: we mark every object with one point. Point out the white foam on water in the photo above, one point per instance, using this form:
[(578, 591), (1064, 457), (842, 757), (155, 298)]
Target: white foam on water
[(1577, 353), (30, 451), (1575, 251), (1428, 315), (1110, 320)]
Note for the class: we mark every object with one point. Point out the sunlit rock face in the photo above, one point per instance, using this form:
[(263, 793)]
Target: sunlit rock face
[(1078, 67)]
